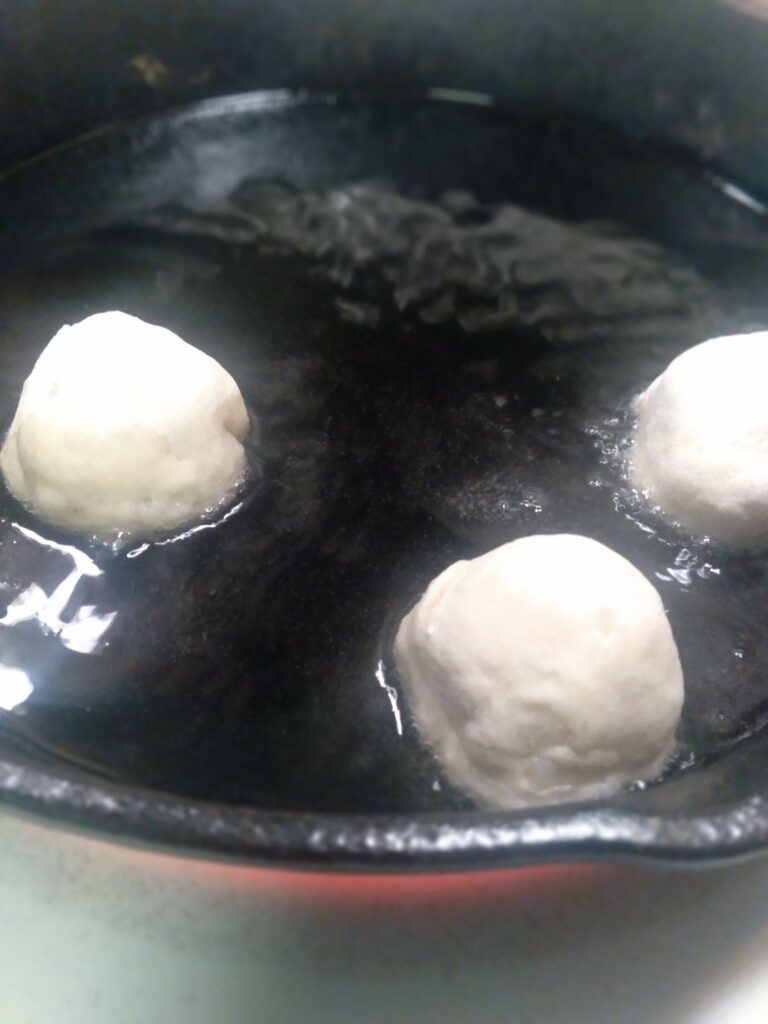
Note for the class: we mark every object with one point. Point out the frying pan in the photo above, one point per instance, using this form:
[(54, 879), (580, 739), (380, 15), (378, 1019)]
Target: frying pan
[(692, 77)]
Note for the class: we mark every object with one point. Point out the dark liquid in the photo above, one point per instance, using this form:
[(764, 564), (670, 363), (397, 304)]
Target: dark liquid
[(438, 314)]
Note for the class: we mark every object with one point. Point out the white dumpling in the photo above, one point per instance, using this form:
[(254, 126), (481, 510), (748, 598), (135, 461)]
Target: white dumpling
[(122, 425), (701, 446), (543, 671)]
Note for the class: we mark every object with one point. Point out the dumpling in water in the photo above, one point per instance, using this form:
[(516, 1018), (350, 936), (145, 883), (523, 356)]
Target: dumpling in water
[(701, 450), (543, 671), (122, 425)]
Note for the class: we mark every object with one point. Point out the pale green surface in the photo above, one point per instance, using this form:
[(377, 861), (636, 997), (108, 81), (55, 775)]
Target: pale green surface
[(96, 934)]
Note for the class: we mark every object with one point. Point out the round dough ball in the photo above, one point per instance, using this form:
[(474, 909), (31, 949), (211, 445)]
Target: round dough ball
[(543, 671), (123, 426), (701, 447)]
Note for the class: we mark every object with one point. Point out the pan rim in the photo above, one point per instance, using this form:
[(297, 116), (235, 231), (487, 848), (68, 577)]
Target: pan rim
[(433, 842)]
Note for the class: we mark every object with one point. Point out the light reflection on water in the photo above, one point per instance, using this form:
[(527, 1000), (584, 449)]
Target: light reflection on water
[(15, 687), (82, 631)]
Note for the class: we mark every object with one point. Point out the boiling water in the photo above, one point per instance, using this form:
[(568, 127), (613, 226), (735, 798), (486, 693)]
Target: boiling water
[(438, 315)]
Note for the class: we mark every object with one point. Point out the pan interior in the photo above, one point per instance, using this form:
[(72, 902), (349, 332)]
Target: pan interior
[(438, 313)]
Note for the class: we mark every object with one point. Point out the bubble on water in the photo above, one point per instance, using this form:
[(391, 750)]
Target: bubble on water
[(706, 570)]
